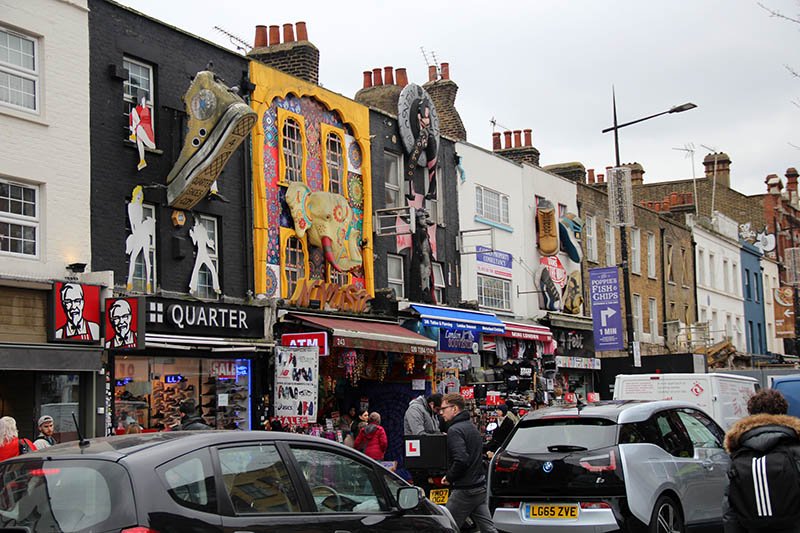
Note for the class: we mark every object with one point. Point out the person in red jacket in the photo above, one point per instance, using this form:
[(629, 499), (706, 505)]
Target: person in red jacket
[(372, 439), (10, 443)]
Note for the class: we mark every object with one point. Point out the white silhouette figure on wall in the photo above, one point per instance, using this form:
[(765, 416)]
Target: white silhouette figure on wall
[(203, 243), (138, 242)]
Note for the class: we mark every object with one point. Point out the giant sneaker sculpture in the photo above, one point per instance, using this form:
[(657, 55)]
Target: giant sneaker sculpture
[(219, 120)]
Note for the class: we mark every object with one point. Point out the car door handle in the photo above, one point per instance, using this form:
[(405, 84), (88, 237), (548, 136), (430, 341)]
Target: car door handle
[(708, 464), (341, 531)]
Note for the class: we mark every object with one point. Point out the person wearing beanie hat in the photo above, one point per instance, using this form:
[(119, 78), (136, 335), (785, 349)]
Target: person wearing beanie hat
[(45, 438), (506, 420)]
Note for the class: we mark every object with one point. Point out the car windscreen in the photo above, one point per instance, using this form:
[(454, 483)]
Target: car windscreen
[(67, 496), (562, 434)]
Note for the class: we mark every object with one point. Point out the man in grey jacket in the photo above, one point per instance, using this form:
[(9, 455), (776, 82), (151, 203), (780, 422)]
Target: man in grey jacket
[(422, 415)]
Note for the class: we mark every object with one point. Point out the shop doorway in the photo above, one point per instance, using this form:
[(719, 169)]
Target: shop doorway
[(28, 395)]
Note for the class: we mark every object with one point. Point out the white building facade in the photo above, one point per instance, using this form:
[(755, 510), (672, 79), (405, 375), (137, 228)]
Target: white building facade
[(769, 271)]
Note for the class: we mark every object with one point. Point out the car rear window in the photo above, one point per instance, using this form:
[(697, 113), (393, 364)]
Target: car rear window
[(562, 434), (68, 496)]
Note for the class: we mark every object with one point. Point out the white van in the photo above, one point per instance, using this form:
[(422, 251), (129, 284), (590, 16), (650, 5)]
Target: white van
[(723, 396)]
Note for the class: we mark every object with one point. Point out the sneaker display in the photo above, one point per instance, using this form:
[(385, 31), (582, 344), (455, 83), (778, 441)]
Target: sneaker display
[(219, 120), (568, 232), (552, 296), (546, 228)]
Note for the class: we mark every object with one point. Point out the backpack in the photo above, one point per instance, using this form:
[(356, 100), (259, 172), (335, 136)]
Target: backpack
[(765, 487), (23, 446)]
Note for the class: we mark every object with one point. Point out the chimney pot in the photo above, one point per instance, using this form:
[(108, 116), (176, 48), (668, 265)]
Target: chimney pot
[(517, 138), (274, 35), (302, 31), (402, 77), (261, 37), (288, 33), (431, 72), (657, 206), (590, 173), (673, 199), (388, 75), (600, 178), (367, 79), (665, 205), (377, 77), (445, 71), (690, 198), (507, 135), (528, 141), (496, 142)]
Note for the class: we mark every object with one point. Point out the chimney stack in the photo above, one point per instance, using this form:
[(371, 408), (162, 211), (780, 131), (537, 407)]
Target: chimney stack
[(402, 77), (791, 179), (298, 58), (637, 174), (388, 75), (367, 79), (384, 90), (443, 92), (723, 164), (496, 143), (520, 152)]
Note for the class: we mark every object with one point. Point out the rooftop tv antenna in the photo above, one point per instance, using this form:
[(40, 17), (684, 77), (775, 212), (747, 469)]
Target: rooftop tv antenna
[(496, 124), (239, 43), (689, 149), (428, 62)]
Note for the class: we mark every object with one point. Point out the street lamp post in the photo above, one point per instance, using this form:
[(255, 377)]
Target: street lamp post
[(623, 229)]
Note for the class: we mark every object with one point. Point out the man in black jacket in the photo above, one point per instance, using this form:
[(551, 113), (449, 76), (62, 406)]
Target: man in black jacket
[(190, 421), (465, 476)]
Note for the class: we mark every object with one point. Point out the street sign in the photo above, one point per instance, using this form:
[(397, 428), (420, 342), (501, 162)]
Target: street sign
[(606, 310), (620, 196)]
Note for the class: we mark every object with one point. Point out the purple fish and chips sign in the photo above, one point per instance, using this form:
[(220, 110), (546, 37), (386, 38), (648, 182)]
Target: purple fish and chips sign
[(606, 309)]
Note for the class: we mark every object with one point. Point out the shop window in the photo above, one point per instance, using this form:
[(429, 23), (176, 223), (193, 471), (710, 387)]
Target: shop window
[(292, 138), (19, 219), (205, 278), (335, 166), (138, 85), (491, 205), (140, 281), (494, 293), (294, 264), (438, 282), (59, 396), (257, 481), (19, 70), (393, 167), (395, 275)]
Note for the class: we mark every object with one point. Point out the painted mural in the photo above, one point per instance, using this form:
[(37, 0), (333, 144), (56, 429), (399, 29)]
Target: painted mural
[(311, 179)]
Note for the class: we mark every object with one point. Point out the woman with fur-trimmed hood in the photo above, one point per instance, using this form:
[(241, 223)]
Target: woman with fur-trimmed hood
[(767, 426)]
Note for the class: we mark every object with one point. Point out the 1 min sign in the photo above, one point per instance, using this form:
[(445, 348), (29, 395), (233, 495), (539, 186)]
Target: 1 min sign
[(314, 338)]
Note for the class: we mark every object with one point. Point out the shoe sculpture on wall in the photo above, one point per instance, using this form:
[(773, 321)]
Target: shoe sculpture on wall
[(550, 291), (546, 228), (569, 230), (219, 120)]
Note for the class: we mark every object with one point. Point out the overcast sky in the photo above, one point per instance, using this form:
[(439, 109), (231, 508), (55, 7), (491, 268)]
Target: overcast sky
[(549, 65)]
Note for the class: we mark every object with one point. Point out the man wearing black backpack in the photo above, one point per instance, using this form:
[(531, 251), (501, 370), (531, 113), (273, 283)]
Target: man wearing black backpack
[(764, 475)]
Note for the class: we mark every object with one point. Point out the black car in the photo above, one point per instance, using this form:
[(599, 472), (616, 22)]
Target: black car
[(209, 481)]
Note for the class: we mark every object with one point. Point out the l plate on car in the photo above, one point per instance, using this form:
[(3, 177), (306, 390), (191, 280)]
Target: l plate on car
[(551, 511), (440, 496)]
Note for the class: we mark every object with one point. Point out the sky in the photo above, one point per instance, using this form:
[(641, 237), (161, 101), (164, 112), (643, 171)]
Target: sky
[(550, 65)]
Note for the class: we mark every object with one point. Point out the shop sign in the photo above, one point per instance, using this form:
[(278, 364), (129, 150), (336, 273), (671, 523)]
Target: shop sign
[(592, 397), (556, 269), (74, 313), (494, 262), (293, 420), (606, 310), (582, 363), (784, 312), (223, 369), (296, 383), (468, 393), (204, 319), (493, 398), (330, 296), (458, 341), (574, 342), (124, 324), (314, 338)]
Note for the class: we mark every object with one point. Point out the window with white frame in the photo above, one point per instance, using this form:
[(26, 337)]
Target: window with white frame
[(205, 278), (19, 70), (726, 279), (393, 168), (140, 279), (590, 231), (636, 251), (611, 247), (138, 85), (19, 219), (292, 145), (491, 205), (701, 267), (653, 309), (294, 264), (712, 264), (638, 324), (438, 282), (335, 163), (756, 288), (435, 205), (651, 255), (747, 292), (494, 293), (396, 275)]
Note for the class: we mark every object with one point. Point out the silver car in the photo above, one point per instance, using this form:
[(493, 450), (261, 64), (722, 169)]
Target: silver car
[(608, 466)]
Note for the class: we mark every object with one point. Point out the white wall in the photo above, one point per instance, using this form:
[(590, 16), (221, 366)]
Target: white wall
[(51, 148), (770, 277)]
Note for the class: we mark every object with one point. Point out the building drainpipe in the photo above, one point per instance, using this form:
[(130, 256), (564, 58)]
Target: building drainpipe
[(694, 284), (663, 288)]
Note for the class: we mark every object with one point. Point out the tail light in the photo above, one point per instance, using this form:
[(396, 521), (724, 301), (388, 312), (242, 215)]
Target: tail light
[(139, 529), (595, 505), (600, 463), (508, 505), (506, 465)]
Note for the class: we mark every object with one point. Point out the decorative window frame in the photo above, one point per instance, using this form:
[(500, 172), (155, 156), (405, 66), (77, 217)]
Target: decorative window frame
[(325, 131), (283, 116), (18, 71), (25, 220), (287, 234)]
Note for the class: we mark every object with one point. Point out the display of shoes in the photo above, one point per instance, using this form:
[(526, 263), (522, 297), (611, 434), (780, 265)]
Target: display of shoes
[(568, 232), (550, 291), (219, 120), (546, 228)]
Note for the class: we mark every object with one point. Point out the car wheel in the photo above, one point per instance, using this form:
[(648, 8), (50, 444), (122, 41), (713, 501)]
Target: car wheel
[(667, 517)]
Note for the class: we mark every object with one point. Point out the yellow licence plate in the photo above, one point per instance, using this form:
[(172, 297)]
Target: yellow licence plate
[(440, 495), (553, 511)]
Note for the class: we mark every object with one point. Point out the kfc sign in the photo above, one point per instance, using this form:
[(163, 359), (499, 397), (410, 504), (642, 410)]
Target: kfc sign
[(315, 338), (124, 323), (75, 313)]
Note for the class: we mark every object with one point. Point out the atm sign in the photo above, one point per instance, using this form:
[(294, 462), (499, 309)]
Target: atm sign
[(315, 338)]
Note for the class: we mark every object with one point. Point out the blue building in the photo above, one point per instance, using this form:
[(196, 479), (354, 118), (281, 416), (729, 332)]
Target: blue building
[(753, 288)]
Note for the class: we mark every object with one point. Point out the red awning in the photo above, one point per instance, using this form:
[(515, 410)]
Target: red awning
[(528, 332), (370, 335)]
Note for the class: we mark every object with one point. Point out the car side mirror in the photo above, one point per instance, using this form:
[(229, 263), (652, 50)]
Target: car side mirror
[(408, 498)]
